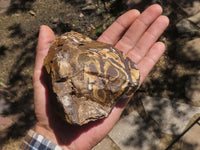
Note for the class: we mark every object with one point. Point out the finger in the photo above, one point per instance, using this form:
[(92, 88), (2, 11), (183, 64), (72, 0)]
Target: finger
[(115, 31), (147, 63), (140, 25), (151, 35), (46, 36)]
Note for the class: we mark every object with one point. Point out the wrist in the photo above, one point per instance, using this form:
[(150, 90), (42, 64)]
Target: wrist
[(46, 132), (34, 140)]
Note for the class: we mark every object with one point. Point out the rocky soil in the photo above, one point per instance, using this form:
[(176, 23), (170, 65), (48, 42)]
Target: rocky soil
[(176, 76)]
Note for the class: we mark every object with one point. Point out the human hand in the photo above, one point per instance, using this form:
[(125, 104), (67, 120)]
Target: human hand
[(140, 33)]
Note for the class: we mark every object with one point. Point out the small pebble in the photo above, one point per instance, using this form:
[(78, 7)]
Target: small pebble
[(32, 13), (81, 15)]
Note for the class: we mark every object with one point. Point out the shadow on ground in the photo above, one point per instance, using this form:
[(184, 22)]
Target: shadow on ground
[(19, 6), (18, 92), (145, 124)]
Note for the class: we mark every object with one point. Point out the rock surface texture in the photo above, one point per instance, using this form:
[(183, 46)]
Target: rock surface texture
[(193, 89), (89, 77), (191, 50)]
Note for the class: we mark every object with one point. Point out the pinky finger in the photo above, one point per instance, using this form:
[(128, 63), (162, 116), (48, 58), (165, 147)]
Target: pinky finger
[(150, 59)]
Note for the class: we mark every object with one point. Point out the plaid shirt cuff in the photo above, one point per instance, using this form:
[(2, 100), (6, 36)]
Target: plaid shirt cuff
[(35, 141)]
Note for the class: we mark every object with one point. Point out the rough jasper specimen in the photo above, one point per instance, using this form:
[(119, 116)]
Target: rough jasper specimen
[(89, 77)]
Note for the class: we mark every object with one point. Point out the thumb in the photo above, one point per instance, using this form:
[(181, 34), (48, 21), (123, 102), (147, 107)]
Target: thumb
[(46, 36)]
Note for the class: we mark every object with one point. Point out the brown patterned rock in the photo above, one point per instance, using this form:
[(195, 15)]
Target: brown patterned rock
[(89, 77)]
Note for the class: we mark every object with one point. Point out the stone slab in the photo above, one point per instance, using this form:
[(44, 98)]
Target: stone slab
[(190, 51), (106, 144), (131, 133), (195, 19), (172, 117), (192, 88), (184, 26), (191, 7), (190, 140)]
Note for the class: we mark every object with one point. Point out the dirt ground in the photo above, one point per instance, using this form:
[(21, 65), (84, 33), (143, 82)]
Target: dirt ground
[(19, 26)]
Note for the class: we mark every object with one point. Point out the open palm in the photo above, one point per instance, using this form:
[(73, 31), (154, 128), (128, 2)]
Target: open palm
[(133, 33)]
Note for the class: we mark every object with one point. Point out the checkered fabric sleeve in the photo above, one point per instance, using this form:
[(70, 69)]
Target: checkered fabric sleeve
[(35, 141)]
